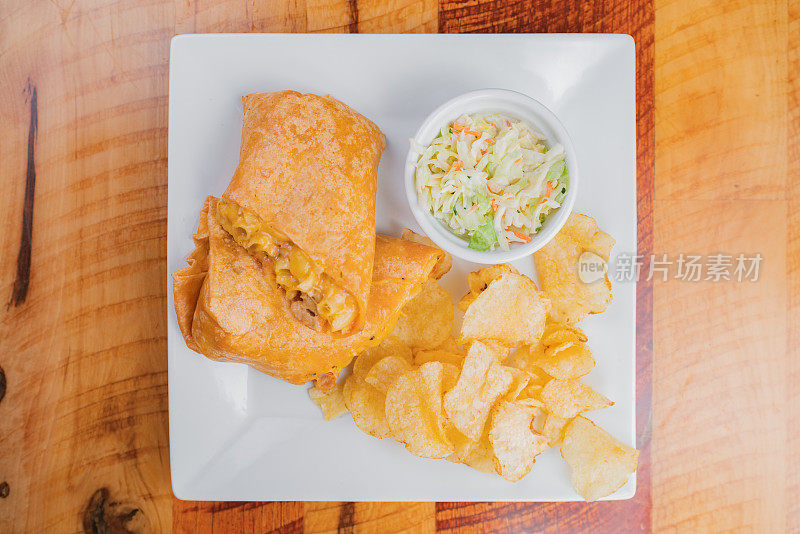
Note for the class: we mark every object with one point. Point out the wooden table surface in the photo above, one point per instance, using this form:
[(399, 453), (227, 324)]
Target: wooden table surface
[(83, 160)]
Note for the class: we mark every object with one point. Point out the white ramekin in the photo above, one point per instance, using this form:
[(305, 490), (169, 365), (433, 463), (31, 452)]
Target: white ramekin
[(511, 104)]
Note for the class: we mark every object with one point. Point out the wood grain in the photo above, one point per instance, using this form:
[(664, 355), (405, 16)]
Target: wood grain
[(206, 16), (369, 518), (90, 417), (331, 16), (250, 517), (793, 268), (83, 370), (83, 425), (722, 106), (726, 394), (636, 19)]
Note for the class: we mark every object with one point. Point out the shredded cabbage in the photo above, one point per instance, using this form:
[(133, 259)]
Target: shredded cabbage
[(492, 179)]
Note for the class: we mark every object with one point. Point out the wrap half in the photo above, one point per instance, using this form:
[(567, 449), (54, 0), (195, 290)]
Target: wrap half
[(303, 199), (230, 308)]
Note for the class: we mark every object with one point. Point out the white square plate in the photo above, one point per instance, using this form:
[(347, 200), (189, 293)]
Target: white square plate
[(237, 434)]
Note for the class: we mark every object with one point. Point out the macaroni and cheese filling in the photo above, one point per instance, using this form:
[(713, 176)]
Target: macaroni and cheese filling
[(314, 296)]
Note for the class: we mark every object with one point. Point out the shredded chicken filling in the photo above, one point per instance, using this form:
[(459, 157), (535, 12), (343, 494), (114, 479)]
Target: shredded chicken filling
[(306, 285)]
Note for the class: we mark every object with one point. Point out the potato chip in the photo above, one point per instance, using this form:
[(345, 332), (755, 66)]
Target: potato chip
[(444, 264), (527, 356), (518, 384), (414, 412), (481, 382), (466, 301), (558, 263), (450, 375), (391, 346), (367, 406), (326, 381), (450, 345), (561, 353), (557, 333), (567, 360), (386, 371), (427, 319), (536, 382), (510, 311), (462, 445), (479, 280), (331, 402), (514, 444), (481, 456), (568, 398), (530, 401), (532, 391), (600, 464), (538, 377), (438, 387), (553, 428), (437, 355)]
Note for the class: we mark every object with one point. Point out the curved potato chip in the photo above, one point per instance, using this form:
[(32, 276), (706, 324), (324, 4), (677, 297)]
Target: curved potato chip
[(518, 384), (462, 445), (367, 406), (514, 445), (427, 319), (466, 301), (479, 280), (538, 377), (553, 428), (386, 371), (414, 411), (560, 353), (390, 346), (600, 464), (481, 457), (568, 398), (536, 382), (568, 360), (511, 311), (450, 375), (331, 402), (481, 382), (444, 265), (556, 333), (532, 391), (557, 263), (437, 355), (527, 357), (450, 345)]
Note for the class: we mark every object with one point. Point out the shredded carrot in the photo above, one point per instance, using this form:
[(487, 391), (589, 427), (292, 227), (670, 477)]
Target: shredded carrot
[(522, 236), (549, 190), (472, 132), (473, 208), (520, 159), (508, 123), (490, 142), (456, 166), (494, 205), (457, 127)]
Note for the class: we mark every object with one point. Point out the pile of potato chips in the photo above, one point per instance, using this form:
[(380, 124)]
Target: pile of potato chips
[(509, 388)]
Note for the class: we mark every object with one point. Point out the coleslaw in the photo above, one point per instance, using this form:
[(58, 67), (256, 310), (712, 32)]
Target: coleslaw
[(491, 179)]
